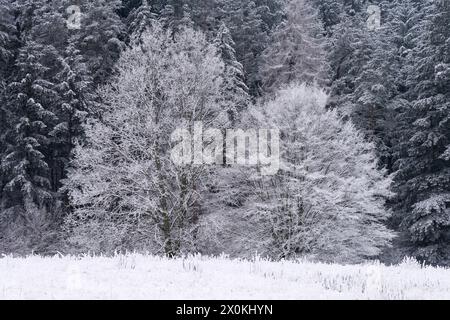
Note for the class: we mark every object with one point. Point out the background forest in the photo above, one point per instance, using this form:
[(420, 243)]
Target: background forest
[(364, 113)]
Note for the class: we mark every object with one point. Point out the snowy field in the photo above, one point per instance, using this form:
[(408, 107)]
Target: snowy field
[(146, 277)]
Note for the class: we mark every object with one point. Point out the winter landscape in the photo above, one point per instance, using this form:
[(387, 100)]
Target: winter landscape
[(186, 278), (195, 134)]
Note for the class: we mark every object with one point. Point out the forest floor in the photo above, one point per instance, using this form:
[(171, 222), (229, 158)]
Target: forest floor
[(136, 276)]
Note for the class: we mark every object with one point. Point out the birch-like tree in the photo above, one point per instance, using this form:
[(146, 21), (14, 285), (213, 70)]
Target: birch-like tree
[(327, 200), (126, 191)]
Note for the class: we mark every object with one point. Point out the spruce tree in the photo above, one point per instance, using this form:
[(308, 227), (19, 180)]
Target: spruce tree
[(139, 20), (424, 170), (330, 13), (28, 200), (76, 101), (101, 38), (251, 35), (236, 89), (167, 17), (8, 48), (8, 40)]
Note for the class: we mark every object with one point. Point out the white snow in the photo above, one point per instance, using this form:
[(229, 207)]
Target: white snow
[(136, 276)]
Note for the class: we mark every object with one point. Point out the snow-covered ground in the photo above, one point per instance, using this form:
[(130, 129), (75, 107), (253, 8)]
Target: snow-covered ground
[(146, 277)]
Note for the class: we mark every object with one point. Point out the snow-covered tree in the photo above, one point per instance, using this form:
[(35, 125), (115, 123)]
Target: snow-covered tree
[(101, 37), (296, 52), (27, 200), (251, 35), (423, 176), (176, 15), (350, 50), (76, 100), (330, 12), (236, 90), (139, 20), (8, 39), (8, 47), (327, 201), (378, 83), (167, 17), (126, 191)]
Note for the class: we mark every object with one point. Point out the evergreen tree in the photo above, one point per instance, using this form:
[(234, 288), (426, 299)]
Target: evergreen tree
[(205, 15), (404, 20), (101, 37), (76, 99), (8, 48), (296, 52), (167, 17), (377, 88), (186, 20), (236, 89), (48, 23), (251, 35), (330, 13), (28, 200), (140, 19), (8, 41), (424, 169), (130, 5), (350, 50), (35, 107)]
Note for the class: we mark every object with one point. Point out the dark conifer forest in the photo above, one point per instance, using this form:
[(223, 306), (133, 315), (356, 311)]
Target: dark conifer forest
[(91, 91)]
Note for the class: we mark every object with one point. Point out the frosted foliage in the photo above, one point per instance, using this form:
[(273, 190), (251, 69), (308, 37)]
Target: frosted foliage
[(297, 51), (328, 199), (124, 178)]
